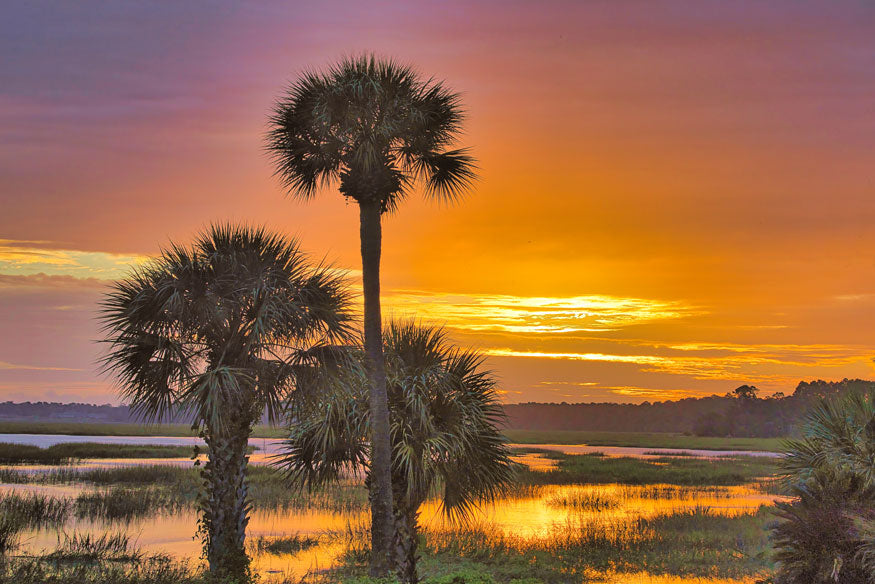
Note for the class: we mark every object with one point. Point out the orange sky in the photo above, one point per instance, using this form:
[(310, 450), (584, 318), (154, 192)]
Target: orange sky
[(676, 197)]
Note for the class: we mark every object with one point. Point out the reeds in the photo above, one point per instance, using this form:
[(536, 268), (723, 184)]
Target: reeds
[(11, 453), (125, 504), (286, 544), (34, 509), (87, 547)]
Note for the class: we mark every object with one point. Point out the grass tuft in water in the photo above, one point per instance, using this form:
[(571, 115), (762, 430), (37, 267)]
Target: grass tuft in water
[(288, 544), (124, 503), (87, 547), (34, 509)]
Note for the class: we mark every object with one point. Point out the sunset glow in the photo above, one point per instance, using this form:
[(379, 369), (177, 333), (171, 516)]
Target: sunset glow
[(671, 202)]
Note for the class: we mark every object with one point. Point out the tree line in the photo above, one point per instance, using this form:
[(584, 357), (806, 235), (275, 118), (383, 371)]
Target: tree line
[(741, 413)]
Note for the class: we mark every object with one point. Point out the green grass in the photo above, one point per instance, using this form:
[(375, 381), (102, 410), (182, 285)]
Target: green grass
[(34, 509), (695, 543), (11, 453), (597, 469), (592, 438), (125, 503), (107, 429), (642, 440), (691, 543), (585, 501), (287, 544), (85, 547)]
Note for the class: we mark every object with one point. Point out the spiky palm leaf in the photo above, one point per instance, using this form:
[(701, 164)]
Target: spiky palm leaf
[(223, 330), (825, 533), (444, 418), (373, 127)]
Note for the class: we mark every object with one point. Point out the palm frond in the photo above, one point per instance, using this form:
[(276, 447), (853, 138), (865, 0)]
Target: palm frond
[(374, 127)]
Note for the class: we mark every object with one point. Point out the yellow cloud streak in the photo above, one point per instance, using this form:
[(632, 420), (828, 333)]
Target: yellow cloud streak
[(532, 314), (20, 258)]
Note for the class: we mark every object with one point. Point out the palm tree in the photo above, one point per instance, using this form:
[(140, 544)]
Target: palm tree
[(826, 532), (374, 128), (444, 417), (223, 331)]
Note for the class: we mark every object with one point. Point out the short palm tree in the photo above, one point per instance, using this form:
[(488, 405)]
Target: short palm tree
[(374, 128), (444, 417), (826, 532), (223, 331)]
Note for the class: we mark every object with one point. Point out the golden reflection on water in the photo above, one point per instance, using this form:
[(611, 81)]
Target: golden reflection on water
[(535, 514), (555, 506)]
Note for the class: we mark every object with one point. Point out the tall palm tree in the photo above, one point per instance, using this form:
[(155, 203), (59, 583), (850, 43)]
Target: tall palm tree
[(444, 417), (826, 531), (374, 129), (223, 331)]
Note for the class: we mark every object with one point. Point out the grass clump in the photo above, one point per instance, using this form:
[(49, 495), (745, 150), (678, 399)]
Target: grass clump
[(585, 501), (11, 453), (125, 503), (86, 547), (583, 469), (120, 429), (268, 489), (289, 544), (10, 531), (34, 509), (147, 570), (183, 478), (642, 440)]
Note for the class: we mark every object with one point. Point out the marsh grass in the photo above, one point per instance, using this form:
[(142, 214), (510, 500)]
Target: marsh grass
[(286, 544), (10, 532), (182, 478), (652, 440), (125, 503), (585, 501), (588, 469), (668, 453), (147, 570), (11, 453), (693, 542), (269, 490), (34, 509), (111, 429), (87, 547)]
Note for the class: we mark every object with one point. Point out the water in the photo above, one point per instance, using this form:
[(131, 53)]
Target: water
[(535, 515), (266, 447)]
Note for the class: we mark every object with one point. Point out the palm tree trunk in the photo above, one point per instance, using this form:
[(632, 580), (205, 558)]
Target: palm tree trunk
[(382, 524), (406, 537), (224, 508)]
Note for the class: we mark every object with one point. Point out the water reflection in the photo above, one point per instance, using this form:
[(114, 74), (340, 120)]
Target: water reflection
[(535, 515)]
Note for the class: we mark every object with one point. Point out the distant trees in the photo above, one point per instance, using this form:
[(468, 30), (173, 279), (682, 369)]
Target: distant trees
[(826, 533), (223, 330), (444, 418), (374, 128), (739, 413)]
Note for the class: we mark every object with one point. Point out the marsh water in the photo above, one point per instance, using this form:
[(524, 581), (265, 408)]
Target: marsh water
[(540, 513)]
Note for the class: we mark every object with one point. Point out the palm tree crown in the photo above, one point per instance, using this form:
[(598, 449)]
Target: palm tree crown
[(373, 127), (233, 320), (444, 417)]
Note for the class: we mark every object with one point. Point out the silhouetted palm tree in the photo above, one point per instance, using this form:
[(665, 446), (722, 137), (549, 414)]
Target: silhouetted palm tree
[(826, 532), (223, 331), (374, 128), (444, 417)]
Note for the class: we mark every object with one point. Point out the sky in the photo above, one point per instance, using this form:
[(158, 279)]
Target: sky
[(675, 198)]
